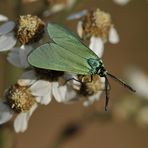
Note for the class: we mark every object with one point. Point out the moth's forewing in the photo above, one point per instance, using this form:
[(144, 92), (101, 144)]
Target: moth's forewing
[(53, 57)]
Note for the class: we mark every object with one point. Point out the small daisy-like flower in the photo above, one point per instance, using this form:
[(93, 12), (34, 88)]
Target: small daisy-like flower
[(59, 5), (18, 99), (29, 29), (139, 80), (91, 89), (121, 2), (3, 18), (98, 28), (46, 85), (85, 87), (7, 39), (22, 97)]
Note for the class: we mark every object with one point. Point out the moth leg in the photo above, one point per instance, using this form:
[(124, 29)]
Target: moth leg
[(106, 93)]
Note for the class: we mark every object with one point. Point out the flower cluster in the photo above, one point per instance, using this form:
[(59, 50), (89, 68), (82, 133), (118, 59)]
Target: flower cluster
[(38, 86), (97, 27)]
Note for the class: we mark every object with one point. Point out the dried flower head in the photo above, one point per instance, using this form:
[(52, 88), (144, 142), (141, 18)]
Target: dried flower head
[(29, 29), (19, 98), (96, 23), (90, 87)]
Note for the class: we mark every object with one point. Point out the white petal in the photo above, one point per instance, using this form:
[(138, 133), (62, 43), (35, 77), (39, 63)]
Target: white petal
[(45, 99), (27, 78), (92, 99), (70, 95), (121, 2), (58, 91), (77, 15), (80, 29), (24, 52), (33, 108), (42, 90), (7, 27), (40, 87), (113, 36), (7, 42), (97, 46), (64, 93), (18, 56), (5, 112), (14, 58), (21, 121), (3, 18), (75, 84)]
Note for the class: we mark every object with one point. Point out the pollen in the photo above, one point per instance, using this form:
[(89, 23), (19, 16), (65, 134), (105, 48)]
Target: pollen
[(19, 98), (90, 87), (96, 23), (29, 29)]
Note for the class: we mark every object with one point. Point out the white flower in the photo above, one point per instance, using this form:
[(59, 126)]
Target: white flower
[(21, 120), (97, 42), (121, 2), (59, 6), (18, 56), (96, 96), (44, 90), (3, 18), (7, 39), (40, 89), (139, 81)]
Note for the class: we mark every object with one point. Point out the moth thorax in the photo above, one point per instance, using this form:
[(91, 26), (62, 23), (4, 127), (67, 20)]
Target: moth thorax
[(29, 29), (96, 23), (102, 71), (19, 98)]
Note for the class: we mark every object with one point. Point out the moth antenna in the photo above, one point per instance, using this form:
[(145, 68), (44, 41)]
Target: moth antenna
[(121, 82), (106, 93)]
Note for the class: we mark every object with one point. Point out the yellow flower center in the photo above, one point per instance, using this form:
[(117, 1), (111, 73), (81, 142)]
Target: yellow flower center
[(19, 98)]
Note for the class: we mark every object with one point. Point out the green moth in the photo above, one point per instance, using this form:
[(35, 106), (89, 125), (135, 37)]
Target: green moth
[(67, 53)]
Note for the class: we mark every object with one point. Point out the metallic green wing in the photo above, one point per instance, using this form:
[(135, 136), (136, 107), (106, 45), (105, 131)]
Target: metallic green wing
[(54, 57), (69, 41)]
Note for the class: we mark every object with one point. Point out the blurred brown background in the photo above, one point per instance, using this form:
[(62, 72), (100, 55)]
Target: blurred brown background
[(47, 122)]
